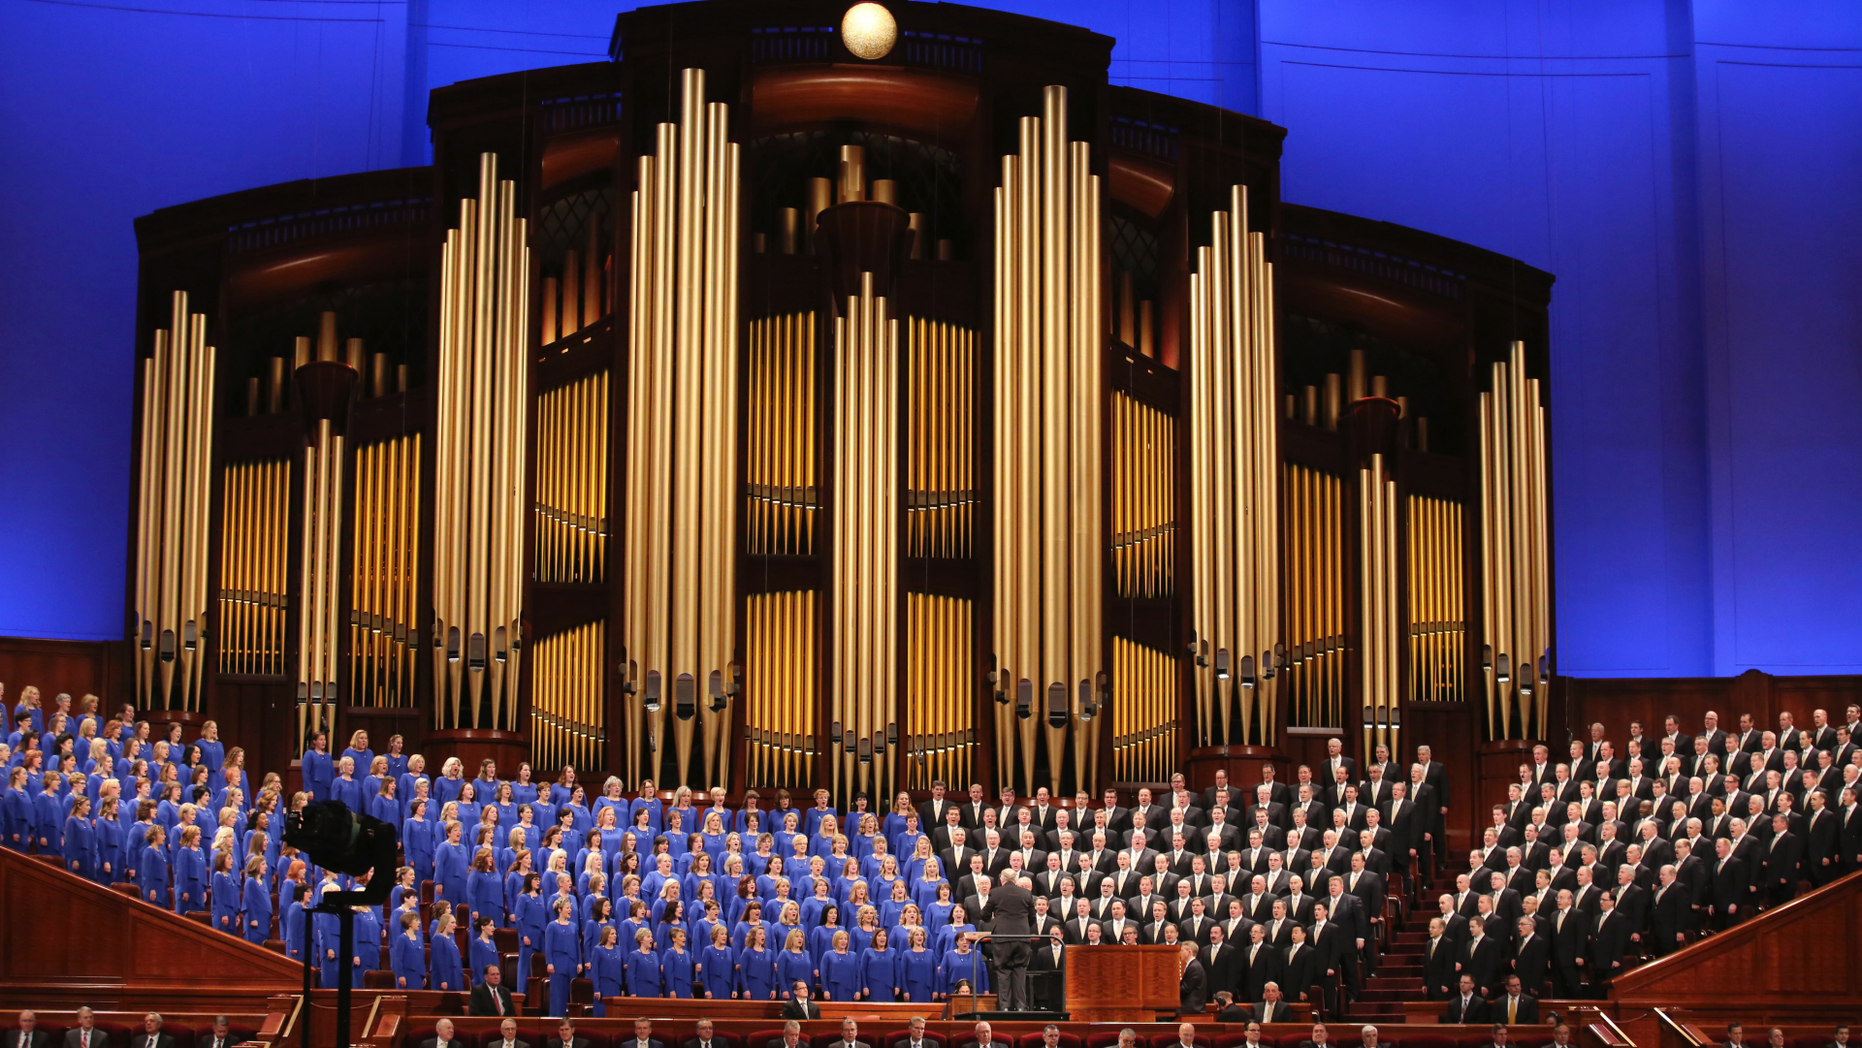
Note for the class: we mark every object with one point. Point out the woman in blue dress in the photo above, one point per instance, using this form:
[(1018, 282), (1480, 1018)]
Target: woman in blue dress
[(445, 970), (717, 965), (523, 791), (821, 937), (225, 895), (451, 865), (318, 767), (581, 819), (190, 865), (877, 863), (531, 917), (483, 949), (643, 974), (152, 869), (647, 801), (759, 969), (953, 930), (452, 778), (893, 905), (562, 944), (485, 889), (600, 915), (80, 852), (291, 922), (962, 963), (611, 800), (821, 842), (840, 970), (879, 970), (794, 965), (406, 958), (325, 936), (384, 805), (917, 970), (359, 752), (255, 903), (110, 836), (469, 804), (417, 840), (607, 969), (866, 832), (676, 966), (766, 882), (937, 912)]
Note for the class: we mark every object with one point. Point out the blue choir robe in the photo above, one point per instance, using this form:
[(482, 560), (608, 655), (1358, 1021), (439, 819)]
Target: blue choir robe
[(758, 975), (483, 953), (397, 764), (840, 976), (957, 964), (325, 931), (793, 966), (407, 960), (445, 788), (608, 971), (367, 955), (225, 903), (676, 971), (362, 758), (417, 846), (530, 921), (486, 894), (562, 944), (821, 942), (110, 843), (17, 806), (212, 754), (643, 974), (48, 816), (445, 972), (918, 975), (717, 972), (291, 930), (80, 848), (190, 880), (318, 768), (255, 904), (152, 876), (879, 974), (451, 864), (349, 791)]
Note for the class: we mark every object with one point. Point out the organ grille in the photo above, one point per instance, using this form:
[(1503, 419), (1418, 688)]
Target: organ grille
[(568, 715), (940, 735), (383, 578), (1437, 639), (940, 495), (1144, 714), (255, 508), (1377, 615), (1314, 551), (781, 688), (782, 499), (1143, 498)]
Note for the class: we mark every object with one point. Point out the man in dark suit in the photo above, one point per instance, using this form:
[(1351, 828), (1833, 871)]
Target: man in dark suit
[(491, 996), (28, 1034), (1531, 957), (983, 1037), (791, 1036), (1481, 957), (1670, 915), (1271, 1008), (507, 1036), (1609, 942), (1219, 961), (150, 1037), (1438, 962), (1729, 894), (914, 1035), (1047, 972), (1515, 1006), (1466, 1006), (443, 1036), (1570, 947), (1782, 857), (798, 1006), (219, 1036), (566, 1038), (1007, 912), (643, 1035), (1304, 967), (1227, 1011), (1435, 776), (1193, 986), (850, 1036), (706, 1037), (1258, 963)]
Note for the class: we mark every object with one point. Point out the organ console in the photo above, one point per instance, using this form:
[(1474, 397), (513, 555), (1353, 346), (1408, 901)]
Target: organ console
[(755, 410)]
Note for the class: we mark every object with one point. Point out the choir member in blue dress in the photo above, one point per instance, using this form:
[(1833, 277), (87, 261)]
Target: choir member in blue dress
[(562, 945), (451, 864), (647, 801), (519, 868), (372, 778), (894, 905), (840, 970), (318, 767), (485, 889), (531, 917), (953, 930), (409, 779), (811, 819), (452, 778), (152, 868), (865, 923), (445, 971), (190, 868), (225, 895), (112, 839), (346, 787), (751, 810), (676, 966), (404, 885), (821, 938), (467, 805), (359, 752), (794, 963), (600, 915), (917, 970), (291, 922), (80, 848), (441, 908), (17, 805), (643, 974), (482, 950), (962, 962), (608, 969), (48, 816), (717, 966), (325, 932), (367, 956), (417, 840), (406, 956), (879, 970), (826, 840), (385, 805), (255, 902), (397, 761), (938, 911), (522, 789)]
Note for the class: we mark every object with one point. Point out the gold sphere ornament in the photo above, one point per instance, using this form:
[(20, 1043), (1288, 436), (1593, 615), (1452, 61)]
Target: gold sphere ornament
[(869, 30)]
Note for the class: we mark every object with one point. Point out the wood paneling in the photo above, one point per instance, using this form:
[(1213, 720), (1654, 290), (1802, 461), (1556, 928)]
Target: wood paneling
[(1808, 951), (1614, 703), (1121, 983), (75, 666), (144, 957)]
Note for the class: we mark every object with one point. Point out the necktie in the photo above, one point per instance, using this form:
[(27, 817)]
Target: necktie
[(497, 1003), (1512, 1010)]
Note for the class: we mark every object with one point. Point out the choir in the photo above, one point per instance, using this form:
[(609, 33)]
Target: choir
[(1597, 860)]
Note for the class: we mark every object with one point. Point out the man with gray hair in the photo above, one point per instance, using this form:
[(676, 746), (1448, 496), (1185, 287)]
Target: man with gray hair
[(218, 1037), (86, 1035), (150, 1037), (443, 1036)]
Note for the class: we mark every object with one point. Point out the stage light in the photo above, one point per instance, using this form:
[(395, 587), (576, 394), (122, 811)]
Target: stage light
[(869, 31)]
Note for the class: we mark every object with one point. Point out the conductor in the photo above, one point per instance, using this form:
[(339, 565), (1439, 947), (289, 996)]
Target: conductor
[(1010, 911)]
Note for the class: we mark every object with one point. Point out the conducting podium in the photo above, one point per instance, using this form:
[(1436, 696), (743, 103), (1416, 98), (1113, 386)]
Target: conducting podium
[(1116, 984)]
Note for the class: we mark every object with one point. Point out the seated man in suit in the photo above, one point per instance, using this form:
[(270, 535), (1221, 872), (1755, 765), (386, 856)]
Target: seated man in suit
[(443, 1036), (150, 1037), (1369, 1035), (791, 1036), (1842, 1037), (28, 1035), (1499, 1036), (1270, 1008), (1319, 1038), (507, 1036), (566, 1038), (850, 1036), (983, 1037), (1227, 1011), (86, 1032), (643, 1036), (914, 1035), (220, 1036), (1514, 1006), (1735, 1036), (1467, 1006), (798, 1006), (706, 1036), (491, 996)]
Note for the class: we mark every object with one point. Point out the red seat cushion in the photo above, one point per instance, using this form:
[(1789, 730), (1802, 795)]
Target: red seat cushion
[(1036, 1040), (1428, 1040)]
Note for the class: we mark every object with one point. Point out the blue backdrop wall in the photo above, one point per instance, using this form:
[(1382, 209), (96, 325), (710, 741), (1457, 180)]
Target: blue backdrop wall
[(1689, 169)]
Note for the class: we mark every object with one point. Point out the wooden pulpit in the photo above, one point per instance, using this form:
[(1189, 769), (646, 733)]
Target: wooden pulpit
[(1116, 984)]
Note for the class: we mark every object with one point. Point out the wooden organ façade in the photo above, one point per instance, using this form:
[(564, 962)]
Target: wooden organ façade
[(791, 402)]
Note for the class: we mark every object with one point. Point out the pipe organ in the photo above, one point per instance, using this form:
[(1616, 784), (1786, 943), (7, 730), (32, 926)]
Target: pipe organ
[(255, 508), (571, 543), (171, 562), (1049, 336), (384, 573), (682, 437), (1515, 550), (822, 419), (1233, 480)]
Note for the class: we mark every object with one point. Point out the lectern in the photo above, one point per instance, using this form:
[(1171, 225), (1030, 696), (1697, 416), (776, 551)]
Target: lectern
[(1115, 984)]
